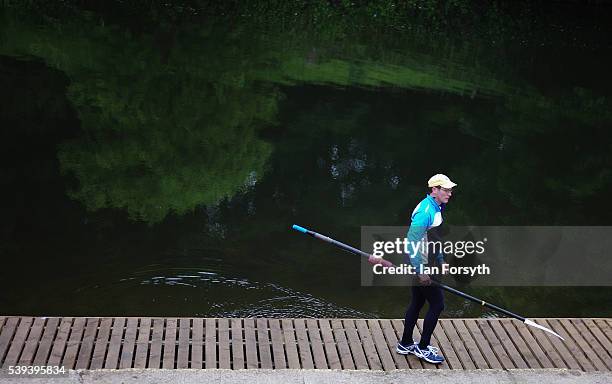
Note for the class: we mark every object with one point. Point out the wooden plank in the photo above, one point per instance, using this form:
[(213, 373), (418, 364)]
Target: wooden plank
[(316, 344), (346, 358), (101, 344), (6, 335), (114, 346), (368, 344), (605, 328), (44, 348), (400, 361), (602, 340), (251, 343), (263, 343), (506, 342), (593, 343), (31, 344), (303, 344), (3, 320), (129, 343), (74, 342), (413, 361), (381, 345), (169, 355), (469, 343), (210, 343), (447, 350), (84, 356), (482, 344), (197, 344), (237, 344), (594, 358), (559, 346), (547, 347), (293, 358), (533, 344), (458, 344), (494, 342), (571, 345), (278, 351), (157, 335), (357, 351), (598, 332), (12, 356), (182, 358), (224, 344), (142, 343), (59, 344), (523, 349), (333, 360)]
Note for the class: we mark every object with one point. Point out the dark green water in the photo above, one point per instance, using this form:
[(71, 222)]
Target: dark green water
[(154, 159)]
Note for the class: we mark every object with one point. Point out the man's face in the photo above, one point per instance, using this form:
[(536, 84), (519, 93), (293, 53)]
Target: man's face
[(442, 194)]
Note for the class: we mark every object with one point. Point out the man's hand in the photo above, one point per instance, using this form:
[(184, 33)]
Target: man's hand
[(424, 279)]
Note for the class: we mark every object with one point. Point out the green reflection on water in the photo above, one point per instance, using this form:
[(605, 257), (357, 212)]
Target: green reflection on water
[(160, 134), (171, 122)]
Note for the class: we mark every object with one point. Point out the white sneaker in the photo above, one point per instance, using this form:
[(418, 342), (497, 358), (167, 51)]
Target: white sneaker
[(430, 354)]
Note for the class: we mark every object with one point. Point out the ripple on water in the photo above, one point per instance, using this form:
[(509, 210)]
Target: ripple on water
[(213, 294)]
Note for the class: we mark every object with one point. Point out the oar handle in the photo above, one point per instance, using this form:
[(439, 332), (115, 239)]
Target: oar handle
[(371, 259), (300, 229)]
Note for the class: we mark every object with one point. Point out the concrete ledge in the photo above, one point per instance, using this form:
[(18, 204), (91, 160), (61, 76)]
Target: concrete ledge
[(289, 376)]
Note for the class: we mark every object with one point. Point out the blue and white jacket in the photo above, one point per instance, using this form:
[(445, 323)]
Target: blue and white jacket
[(426, 215)]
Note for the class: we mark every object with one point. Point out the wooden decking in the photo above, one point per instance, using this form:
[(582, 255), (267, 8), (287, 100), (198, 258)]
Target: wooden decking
[(111, 343)]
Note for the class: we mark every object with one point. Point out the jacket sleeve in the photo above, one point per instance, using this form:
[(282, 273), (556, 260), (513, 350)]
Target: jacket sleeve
[(416, 232)]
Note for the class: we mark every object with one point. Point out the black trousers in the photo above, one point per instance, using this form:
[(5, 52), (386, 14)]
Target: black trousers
[(433, 295)]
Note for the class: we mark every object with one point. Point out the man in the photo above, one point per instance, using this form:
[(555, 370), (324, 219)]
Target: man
[(426, 218)]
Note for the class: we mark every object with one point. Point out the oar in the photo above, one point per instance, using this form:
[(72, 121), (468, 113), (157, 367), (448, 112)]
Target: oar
[(378, 260)]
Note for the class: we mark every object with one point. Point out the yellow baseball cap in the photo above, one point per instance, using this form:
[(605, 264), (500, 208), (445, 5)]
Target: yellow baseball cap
[(440, 180)]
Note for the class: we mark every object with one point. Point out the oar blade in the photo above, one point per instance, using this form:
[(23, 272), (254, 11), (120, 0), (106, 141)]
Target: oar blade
[(536, 325)]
